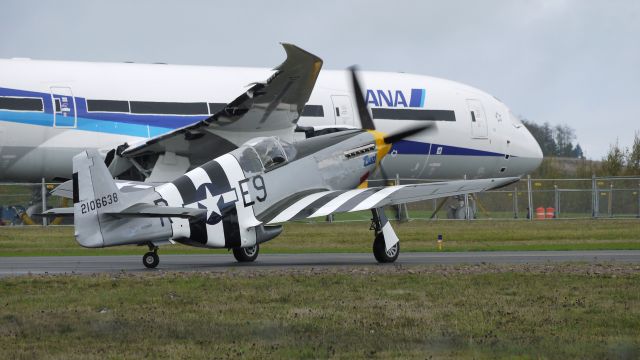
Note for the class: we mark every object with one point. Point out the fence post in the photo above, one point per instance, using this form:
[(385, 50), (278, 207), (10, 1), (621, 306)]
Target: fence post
[(43, 193), (515, 202), (638, 200), (466, 203), (610, 201), (435, 206), (403, 212), (556, 200), (529, 198), (595, 204)]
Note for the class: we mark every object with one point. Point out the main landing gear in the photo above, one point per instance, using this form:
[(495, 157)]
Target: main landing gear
[(246, 254), (386, 245), (151, 259)]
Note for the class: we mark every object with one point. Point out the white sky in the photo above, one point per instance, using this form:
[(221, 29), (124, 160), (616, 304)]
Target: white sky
[(563, 61)]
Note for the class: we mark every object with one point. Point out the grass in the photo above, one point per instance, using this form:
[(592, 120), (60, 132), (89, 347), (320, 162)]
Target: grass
[(532, 311), (355, 237)]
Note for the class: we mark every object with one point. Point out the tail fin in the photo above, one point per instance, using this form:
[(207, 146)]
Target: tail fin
[(94, 193)]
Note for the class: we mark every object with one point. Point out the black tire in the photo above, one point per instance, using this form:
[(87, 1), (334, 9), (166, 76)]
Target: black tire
[(380, 252), (151, 260), (247, 254)]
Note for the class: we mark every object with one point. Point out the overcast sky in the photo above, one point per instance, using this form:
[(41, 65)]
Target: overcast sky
[(574, 62)]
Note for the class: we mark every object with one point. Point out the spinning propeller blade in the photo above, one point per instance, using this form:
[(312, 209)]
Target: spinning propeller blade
[(363, 112)]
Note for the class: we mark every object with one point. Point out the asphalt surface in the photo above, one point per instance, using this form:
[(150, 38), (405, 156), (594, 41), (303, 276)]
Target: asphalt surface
[(216, 262)]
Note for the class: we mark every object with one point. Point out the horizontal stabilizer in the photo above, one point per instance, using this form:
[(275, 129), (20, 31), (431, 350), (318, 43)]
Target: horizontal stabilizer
[(64, 190), (68, 211), (148, 210)]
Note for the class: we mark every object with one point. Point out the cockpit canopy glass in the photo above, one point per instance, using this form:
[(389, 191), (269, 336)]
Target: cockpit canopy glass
[(265, 153)]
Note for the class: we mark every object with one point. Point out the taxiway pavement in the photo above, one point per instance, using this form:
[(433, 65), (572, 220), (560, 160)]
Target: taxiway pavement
[(217, 262)]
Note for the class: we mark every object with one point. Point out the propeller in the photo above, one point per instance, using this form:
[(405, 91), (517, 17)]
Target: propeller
[(367, 124), (365, 118)]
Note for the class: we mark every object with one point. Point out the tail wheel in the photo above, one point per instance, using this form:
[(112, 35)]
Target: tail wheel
[(246, 254), (151, 260), (380, 252)]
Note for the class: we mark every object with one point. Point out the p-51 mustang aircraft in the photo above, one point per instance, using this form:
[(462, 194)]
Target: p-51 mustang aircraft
[(240, 199)]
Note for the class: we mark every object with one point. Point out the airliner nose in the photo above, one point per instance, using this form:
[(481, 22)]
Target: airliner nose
[(533, 151)]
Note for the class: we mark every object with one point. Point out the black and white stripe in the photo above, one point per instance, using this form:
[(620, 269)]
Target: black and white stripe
[(188, 191), (328, 202)]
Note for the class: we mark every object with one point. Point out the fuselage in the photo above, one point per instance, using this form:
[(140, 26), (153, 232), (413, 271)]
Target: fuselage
[(51, 111)]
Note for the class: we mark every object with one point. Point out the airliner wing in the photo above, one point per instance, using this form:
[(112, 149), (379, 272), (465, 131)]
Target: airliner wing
[(324, 203), (267, 108)]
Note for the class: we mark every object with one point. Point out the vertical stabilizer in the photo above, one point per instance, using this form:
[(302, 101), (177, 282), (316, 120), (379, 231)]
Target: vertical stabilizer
[(94, 193)]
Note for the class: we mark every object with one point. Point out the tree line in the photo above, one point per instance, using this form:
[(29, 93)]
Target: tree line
[(555, 141), (560, 142)]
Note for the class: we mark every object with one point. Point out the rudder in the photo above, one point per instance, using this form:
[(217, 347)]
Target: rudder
[(94, 192)]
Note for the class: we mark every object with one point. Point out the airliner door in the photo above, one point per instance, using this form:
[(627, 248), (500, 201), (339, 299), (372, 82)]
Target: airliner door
[(64, 106), (479, 128), (342, 110)]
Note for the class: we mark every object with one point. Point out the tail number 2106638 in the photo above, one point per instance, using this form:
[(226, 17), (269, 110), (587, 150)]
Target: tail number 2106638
[(98, 203)]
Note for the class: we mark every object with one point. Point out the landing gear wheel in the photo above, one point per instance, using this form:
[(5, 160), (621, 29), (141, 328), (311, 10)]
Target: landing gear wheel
[(380, 252), (151, 259), (247, 254)]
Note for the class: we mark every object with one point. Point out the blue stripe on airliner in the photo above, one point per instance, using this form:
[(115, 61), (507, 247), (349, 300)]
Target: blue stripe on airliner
[(154, 125), (87, 124), (420, 148)]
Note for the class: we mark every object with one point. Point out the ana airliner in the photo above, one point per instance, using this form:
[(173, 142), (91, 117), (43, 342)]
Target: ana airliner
[(52, 110)]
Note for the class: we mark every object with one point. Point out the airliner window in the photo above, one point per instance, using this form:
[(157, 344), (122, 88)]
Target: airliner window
[(215, 107), (169, 108), (313, 111), (21, 104), (413, 114), (270, 152), (515, 120), (107, 106)]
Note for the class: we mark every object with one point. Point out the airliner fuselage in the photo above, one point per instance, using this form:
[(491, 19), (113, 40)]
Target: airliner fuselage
[(51, 111)]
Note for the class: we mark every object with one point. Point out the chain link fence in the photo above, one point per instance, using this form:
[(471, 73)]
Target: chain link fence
[(527, 199)]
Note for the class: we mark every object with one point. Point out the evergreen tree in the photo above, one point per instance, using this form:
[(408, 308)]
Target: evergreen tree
[(613, 163), (555, 141), (633, 156), (577, 152)]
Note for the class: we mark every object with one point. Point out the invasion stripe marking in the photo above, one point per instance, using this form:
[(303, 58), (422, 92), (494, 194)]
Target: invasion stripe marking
[(332, 205), (298, 206), (180, 227), (314, 206), (376, 198), (223, 169), (187, 190), (357, 199)]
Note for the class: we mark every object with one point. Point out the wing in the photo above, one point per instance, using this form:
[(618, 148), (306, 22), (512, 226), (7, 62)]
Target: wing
[(323, 203), (267, 108)]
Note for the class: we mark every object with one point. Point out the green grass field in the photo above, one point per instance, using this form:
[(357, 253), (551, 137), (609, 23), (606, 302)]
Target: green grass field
[(527, 311), (356, 237)]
